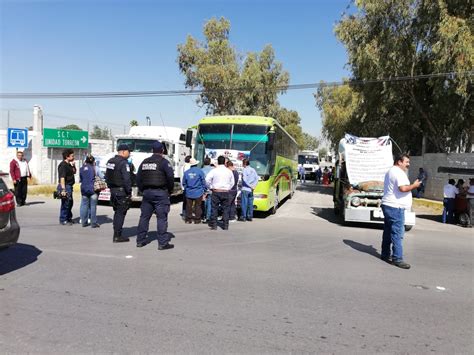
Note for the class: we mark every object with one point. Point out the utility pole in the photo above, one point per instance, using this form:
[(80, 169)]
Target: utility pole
[(8, 119)]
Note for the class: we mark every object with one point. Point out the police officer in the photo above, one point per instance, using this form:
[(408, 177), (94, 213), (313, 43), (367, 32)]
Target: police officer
[(118, 180), (155, 178)]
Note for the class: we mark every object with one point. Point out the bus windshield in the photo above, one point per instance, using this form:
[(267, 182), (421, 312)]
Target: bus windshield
[(308, 159), (240, 137)]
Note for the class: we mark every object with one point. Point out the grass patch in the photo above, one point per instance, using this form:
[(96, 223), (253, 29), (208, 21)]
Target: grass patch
[(435, 206), (47, 190)]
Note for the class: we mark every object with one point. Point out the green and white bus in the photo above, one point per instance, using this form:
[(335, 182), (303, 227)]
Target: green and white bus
[(272, 152)]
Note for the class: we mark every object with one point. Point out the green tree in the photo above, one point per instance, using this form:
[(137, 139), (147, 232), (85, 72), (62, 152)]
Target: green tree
[(72, 127), (338, 106), (323, 152), (133, 123), (310, 142), (100, 133), (233, 83), (406, 38)]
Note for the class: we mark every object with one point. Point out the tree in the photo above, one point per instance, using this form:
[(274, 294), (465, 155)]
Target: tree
[(233, 83), (338, 106), (100, 133), (133, 123), (72, 127), (323, 152), (310, 142), (408, 38)]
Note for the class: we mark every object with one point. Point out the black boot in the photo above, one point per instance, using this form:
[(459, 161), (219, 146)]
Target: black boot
[(119, 239)]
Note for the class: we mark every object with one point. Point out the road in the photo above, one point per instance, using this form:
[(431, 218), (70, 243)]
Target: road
[(294, 282)]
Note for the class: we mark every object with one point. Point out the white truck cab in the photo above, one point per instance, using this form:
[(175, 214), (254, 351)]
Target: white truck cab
[(358, 187), (309, 159), (139, 140)]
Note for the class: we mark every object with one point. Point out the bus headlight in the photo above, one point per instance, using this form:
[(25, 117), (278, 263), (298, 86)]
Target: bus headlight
[(355, 201)]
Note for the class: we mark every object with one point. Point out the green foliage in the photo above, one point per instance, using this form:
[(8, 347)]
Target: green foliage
[(338, 106), (72, 127), (310, 142), (404, 38), (133, 123), (100, 133), (323, 152), (236, 84)]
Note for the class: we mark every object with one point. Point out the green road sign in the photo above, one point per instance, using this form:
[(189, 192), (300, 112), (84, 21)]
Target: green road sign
[(62, 138)]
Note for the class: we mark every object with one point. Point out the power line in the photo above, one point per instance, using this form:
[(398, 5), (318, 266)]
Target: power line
[(192, 92)]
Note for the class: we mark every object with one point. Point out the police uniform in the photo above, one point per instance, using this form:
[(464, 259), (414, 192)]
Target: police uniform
[(155, 178), (118, 180)]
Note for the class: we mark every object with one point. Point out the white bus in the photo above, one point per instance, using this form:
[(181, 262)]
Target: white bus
[(310, 161)]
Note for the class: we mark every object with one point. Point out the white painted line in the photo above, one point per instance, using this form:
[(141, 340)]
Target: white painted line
[(128, 257)]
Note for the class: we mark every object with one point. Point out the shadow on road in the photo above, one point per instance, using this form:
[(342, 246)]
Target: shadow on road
[(104, 219), (326, 213), (431, 217), (312, 187), (34, 203), (17, 256), (368, 249), (130, 232)]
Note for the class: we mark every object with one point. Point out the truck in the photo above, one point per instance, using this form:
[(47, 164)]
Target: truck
[(140, 139), (359, 182), (309, 159)]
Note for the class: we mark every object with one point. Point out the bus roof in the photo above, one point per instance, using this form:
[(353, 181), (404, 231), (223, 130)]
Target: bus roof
[(251, 120)]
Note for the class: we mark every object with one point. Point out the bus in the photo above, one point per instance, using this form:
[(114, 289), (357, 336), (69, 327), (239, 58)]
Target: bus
[(272, 152)]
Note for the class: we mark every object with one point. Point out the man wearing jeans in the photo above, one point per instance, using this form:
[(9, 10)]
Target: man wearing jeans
[(396, 199), (249, 183)]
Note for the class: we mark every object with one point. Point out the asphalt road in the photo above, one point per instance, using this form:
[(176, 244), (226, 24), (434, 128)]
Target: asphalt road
[(295, 282)]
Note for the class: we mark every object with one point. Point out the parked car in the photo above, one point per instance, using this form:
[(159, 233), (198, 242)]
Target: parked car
[(9, 227)]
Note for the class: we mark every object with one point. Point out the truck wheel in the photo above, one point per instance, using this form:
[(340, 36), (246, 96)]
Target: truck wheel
[(408, 228)]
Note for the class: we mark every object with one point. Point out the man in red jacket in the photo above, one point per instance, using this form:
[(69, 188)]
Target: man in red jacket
[(20, 172)]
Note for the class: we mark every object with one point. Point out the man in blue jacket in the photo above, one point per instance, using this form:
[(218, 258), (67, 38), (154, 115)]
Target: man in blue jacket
[(194, 184)]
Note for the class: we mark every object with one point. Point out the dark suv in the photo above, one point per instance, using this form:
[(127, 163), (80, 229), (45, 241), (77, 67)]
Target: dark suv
[(9, 228)]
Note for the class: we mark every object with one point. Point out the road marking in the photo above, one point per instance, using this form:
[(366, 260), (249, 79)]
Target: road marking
[(81, 254)]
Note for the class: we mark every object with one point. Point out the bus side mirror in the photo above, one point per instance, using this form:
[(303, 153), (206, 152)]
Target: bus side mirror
[(189, 138), (271, 140)]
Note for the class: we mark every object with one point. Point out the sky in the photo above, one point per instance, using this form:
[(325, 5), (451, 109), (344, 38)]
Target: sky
[(117, 45)]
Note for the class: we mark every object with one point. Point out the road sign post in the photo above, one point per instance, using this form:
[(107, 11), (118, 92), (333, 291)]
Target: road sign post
[(62, 138), (17, 138)]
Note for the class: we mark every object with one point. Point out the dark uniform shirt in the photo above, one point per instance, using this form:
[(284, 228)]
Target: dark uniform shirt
[(118, 174), (155, 172), (66, 171)]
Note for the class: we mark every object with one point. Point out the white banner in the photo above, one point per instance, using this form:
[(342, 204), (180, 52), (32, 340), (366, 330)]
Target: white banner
[(235, 156), (367, 159)]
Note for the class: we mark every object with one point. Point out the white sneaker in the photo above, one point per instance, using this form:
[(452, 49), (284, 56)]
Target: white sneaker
[(232, 220)]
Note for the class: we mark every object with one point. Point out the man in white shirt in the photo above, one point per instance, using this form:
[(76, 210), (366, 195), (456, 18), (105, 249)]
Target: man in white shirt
[(220, 180), (20, 172), (396, 199), (449, 194)]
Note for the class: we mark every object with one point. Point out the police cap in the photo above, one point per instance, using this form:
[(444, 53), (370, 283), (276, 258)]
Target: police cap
[(123, 147), (157, 147)]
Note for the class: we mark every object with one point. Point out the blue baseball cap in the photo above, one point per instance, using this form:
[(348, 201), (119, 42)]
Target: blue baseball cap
[(123, 147), (157, 147)]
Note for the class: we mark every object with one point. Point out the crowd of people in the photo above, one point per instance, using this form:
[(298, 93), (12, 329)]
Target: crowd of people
[(209, 193), (321, 176), (458, 202)]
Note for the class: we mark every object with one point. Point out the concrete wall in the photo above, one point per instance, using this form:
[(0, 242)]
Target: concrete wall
[(44, 161), (455, 165)]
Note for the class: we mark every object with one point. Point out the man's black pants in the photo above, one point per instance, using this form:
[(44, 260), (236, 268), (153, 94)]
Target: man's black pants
[(221, 199), (21, 190)]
